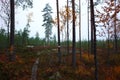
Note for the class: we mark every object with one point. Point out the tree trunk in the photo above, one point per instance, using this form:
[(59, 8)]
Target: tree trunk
[(93, 28), (73, 42), (67, 29), (12, 26), (80, 28), (8, 35), (59, 51), (115, 35), (108, 45), (88, 29)]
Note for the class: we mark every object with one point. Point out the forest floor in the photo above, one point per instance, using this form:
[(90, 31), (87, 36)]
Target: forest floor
[(49, 68)]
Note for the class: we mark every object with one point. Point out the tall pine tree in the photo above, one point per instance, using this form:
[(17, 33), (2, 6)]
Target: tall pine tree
[(48, 21)]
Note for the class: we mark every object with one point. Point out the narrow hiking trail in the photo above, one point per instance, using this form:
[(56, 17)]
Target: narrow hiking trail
[(34, 70)]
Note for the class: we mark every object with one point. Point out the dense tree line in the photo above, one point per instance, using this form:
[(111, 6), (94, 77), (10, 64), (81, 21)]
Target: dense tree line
[(22, 39)]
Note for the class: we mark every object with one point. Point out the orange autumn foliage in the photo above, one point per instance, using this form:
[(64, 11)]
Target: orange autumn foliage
[(117, 70)]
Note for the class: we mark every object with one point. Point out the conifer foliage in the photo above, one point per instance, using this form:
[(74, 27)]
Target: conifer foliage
[(48, 21)]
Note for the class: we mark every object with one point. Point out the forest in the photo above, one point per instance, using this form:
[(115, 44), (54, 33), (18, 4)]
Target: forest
[(58, 56)]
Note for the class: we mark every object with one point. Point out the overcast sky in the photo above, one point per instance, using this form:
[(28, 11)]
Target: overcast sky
[(36, 25)]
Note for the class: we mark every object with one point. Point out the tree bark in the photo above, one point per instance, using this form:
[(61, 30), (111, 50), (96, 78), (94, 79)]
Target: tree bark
[(88, 29), (59, 51), (74, 40), (67, 29), (115, 33), (12, 26), (93, 29), (80, 28)]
